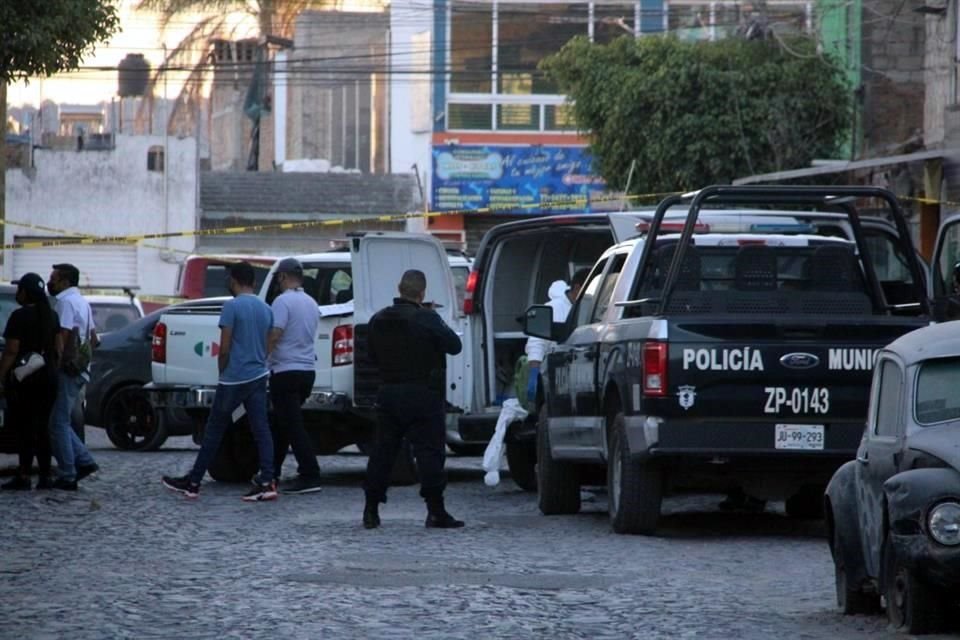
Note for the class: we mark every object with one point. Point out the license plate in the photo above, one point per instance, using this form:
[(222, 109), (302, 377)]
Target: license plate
[(799, 436)]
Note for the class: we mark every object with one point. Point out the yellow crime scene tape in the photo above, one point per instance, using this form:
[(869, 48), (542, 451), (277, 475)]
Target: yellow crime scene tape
[(72, 238)]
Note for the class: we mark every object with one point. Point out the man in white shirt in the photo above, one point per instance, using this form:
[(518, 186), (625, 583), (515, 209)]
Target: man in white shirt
[(74, 461)]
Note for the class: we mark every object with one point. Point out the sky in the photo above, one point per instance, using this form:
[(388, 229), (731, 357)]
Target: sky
[(139, 33)]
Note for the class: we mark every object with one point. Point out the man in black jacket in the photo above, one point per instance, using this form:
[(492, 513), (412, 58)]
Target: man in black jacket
[(408, 344)]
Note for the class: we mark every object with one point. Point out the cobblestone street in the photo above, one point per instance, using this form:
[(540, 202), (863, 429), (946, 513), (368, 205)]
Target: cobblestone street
[(126, 558)]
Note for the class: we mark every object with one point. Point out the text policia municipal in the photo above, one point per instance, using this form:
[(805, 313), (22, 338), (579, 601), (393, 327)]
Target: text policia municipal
[(751, 359)]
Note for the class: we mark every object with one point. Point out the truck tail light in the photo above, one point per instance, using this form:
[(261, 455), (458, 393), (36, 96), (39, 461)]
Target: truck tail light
[(473, 280), (342, 345), (158, 347), (655, 360)]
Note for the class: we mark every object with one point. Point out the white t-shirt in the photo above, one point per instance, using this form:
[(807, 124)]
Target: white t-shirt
[(75, 313)]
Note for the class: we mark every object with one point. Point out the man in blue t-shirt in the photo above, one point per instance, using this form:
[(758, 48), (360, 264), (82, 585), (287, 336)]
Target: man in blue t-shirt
[(245, 323)]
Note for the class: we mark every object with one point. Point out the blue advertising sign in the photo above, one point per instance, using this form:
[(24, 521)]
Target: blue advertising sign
[(530, 180)]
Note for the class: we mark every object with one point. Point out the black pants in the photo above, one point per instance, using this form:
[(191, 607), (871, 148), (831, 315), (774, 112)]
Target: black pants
[(288, 391), (28, 411), (414, 412)]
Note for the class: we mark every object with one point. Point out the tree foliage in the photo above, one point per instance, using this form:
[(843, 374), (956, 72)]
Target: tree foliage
[(698, 113), (40, 38)]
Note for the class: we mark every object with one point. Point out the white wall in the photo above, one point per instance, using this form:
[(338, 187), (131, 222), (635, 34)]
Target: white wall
[(110, 193), (410, 20)]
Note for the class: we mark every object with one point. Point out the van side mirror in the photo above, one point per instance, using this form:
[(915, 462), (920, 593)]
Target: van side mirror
[(538, 322)]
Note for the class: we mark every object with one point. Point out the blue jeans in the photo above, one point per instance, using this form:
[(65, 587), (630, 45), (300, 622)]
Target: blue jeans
[(253, 396), (69, 451)]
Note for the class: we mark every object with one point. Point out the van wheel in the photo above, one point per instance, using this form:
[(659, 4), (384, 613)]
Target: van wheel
[(131, 422), (236, 459), (522, 462), (558, 483), (913, 606), (635, 489)]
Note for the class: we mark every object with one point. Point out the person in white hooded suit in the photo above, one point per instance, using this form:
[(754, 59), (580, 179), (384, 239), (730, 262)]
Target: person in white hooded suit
[(527, 375), (562, 297)]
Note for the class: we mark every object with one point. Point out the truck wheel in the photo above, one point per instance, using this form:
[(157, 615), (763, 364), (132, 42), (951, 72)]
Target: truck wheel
[(635, 489), (131, 422), (806, 504), (236, 460), (522, 462), (913, 606), (558, 483)]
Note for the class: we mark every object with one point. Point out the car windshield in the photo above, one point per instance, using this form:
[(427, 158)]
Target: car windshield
[(215, 279), (327, 283), (937, 398), (110, 317)]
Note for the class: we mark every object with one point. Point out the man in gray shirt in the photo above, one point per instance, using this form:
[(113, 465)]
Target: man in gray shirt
[(292, 361)]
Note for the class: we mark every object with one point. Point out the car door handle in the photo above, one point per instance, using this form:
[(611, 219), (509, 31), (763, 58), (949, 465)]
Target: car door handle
[(587, 354), (863, 459)]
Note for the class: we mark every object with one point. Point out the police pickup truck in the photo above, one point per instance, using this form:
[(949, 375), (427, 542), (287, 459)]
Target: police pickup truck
[(709, 361)]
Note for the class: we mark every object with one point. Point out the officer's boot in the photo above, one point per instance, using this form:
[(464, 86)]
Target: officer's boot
[(437, 516), (371, 514)]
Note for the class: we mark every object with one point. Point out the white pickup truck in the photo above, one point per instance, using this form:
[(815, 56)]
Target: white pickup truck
[(186, 343)]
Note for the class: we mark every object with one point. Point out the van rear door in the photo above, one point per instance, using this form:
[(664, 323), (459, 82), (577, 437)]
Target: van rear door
[(379, 259)]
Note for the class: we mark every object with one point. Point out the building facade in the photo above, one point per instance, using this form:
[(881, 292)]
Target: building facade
[(489, 132), (141, 185)]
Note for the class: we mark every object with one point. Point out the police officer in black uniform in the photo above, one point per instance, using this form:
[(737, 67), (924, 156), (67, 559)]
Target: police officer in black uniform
[(408, 344)]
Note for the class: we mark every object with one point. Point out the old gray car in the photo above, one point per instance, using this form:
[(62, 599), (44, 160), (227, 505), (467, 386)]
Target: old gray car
[(893, 514)]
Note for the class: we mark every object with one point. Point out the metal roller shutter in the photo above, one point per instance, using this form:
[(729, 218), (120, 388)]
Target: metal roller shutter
[(99, 265)]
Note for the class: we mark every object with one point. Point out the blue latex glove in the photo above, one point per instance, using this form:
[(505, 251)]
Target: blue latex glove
[(532, 380)]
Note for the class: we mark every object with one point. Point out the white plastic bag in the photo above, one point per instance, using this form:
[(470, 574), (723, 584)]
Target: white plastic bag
[(495, 454), (31, 363)]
